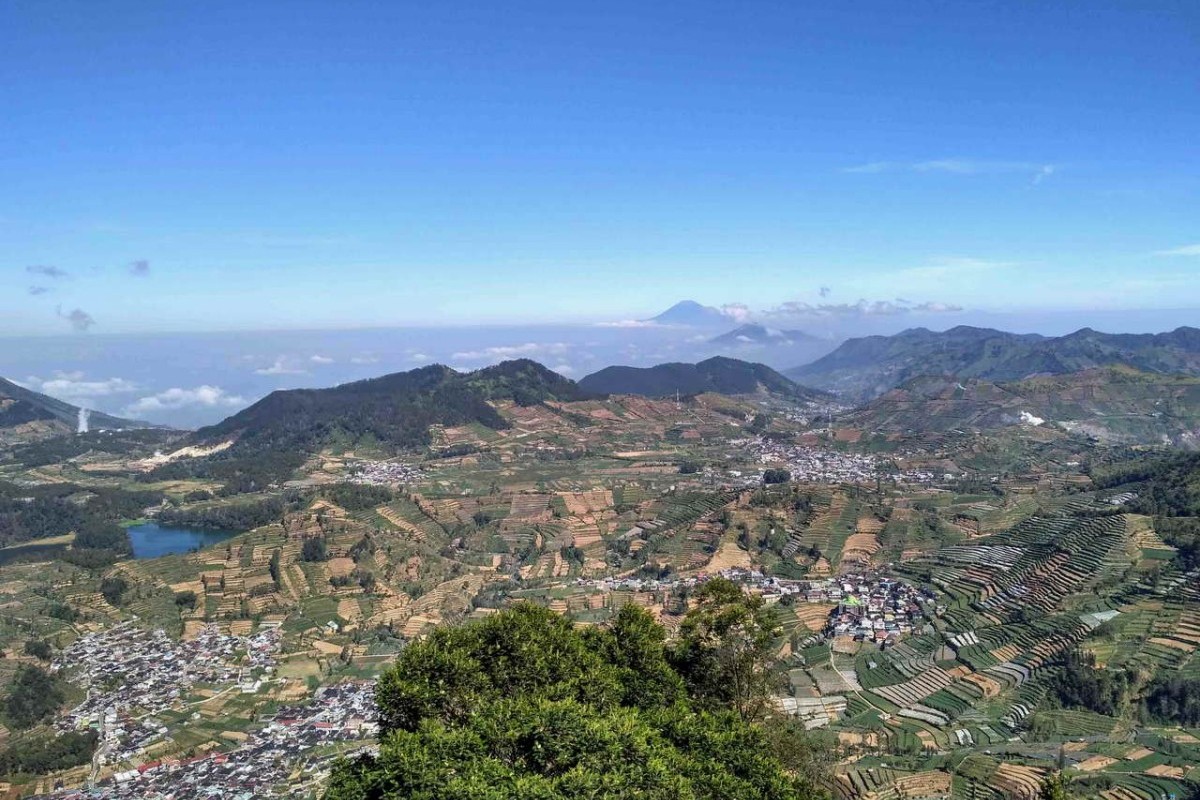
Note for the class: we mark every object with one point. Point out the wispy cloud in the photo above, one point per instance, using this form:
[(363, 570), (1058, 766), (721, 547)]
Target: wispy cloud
[(1186, 250), (797, 309), (319, 359), (175, 398), (282, 366), (80, 320), (39, 290), (632, 323), (73, 386), (953, 266), (958, 166), (47, 271), (513, 351), (139, 268)]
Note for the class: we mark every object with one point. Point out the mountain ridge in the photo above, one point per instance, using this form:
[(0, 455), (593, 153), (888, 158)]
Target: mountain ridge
[(755, 333), (867, 367), (20, 406), (717, 374)]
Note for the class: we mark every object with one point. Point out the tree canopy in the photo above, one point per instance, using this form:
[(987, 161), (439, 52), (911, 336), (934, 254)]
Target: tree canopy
[(724, 648), (526, 705), (33, 697)]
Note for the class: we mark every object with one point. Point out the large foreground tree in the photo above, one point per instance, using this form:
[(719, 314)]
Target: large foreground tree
[(526, 705)]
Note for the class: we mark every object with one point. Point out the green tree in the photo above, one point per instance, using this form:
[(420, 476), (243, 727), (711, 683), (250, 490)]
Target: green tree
[(39, 649), (724, 652), (114, 589), (1054, 787), (526, 705), (771, 476), (635, 645), (274, 568), (314, 549), (33, 697)]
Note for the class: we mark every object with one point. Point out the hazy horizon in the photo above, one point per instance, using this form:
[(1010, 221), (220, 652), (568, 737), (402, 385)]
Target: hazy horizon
[(193, 379)]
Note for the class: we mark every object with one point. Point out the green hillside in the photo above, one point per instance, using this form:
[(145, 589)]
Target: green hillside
[(1115, 405), (394, 412), (867, 367), (719, 374)]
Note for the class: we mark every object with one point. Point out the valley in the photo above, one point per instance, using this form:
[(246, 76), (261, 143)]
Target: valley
[(939, 568)]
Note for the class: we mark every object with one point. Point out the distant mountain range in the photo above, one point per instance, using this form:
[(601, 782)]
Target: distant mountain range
[(753, 333), (25, 411), (1114, 404), (860, 369), (272, 438), (718, 374), (692, 314)]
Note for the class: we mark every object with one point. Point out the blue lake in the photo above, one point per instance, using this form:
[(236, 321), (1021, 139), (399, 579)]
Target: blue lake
[(152, 540)]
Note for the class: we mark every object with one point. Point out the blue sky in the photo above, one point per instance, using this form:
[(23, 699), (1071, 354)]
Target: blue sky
[(310, 165)]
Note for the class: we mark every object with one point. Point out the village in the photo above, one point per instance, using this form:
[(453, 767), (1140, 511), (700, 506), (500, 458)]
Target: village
[(131, 674), (337, 717), (827, 465), (866, 606), (383, 473)]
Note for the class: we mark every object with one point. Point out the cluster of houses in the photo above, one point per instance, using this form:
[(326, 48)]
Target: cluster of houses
[(262, 765), (132, 673), (384, 473), (754, 579), (874, 608), (825, 465), (868, 606)]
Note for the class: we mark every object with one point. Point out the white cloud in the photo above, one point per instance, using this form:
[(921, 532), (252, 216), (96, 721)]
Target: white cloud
[(631, 323), (318, 359), (1045, 172), (176, 398), (419, 357), (863, 308), (563, 369), (1186, 250), (871, 167), (282, 366), (514, 351), (364, 360), (738, 312), (72, 386), (958, 166)]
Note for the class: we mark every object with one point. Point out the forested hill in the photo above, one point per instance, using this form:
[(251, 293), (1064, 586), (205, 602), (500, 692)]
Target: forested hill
[(867, 367), (273, 437), (21, 406), (719, 374), (395, 409)]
